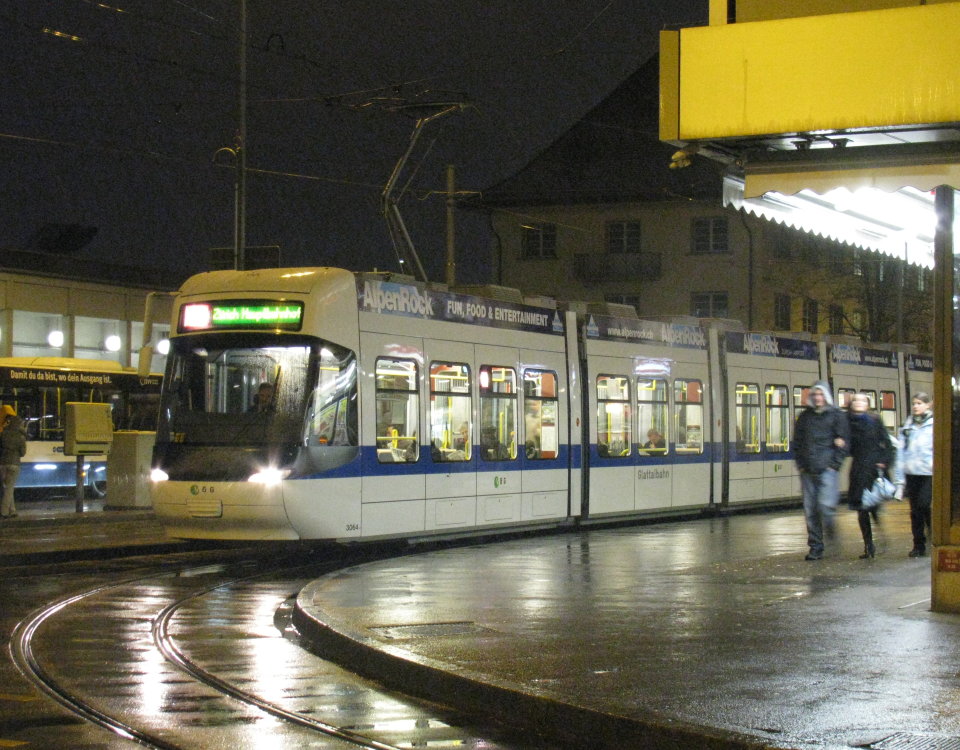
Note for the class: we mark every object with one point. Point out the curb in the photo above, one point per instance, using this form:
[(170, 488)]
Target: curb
[(571, 725)]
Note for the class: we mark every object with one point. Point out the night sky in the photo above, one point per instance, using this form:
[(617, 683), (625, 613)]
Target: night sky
[(113, 122)]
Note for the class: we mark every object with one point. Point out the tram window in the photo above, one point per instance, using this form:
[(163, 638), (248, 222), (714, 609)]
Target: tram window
[(652, 416), (888, 411), (871, 398), (748, 417), (498, 413), (450, 408), (614, 423), (398, 410), (541, 437), (777, 438), (843, 397), (688, 415), (334, 410)]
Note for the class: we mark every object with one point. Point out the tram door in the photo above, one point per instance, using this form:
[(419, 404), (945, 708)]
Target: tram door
[(760, 390), (875, 372), (450, 437)]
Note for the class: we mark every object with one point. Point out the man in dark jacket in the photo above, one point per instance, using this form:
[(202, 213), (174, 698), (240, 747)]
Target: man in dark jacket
[(820, 443), (13, 447)]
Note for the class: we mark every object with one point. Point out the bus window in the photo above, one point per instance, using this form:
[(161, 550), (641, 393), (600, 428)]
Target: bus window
[(652, 418), (888, 411), (777, 438), (614, 423), (688, 415), (398, 410), (747, 418), (450, 408), (541, 436), (498, 413)]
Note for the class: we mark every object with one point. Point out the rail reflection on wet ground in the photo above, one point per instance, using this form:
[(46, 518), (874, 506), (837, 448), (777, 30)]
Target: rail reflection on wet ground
[(716, 628)]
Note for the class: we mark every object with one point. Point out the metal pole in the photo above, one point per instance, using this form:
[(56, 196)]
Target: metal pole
[(241, 197), (451, 232), (78, 494)]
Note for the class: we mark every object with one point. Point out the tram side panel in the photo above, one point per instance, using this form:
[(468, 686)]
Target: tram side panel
[(648, 387), (491, 427), (919, 378), (765, 374), (872, 370)]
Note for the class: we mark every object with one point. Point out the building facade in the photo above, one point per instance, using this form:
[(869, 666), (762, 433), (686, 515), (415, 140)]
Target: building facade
[(605, 214), (49, 307)]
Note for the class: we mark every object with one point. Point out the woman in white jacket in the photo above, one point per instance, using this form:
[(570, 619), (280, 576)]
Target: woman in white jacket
[(914, 468)]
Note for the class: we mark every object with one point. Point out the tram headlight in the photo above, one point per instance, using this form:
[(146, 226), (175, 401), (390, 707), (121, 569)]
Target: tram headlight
[(158, 475), (269, 477)]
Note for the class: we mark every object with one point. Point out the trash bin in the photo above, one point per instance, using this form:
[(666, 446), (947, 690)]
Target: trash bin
[(128, 469)]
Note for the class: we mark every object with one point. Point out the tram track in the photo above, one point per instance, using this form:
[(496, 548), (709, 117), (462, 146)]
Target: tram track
[(165, 615)]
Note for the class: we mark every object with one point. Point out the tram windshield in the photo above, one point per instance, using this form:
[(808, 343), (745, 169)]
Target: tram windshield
[(228, 389)]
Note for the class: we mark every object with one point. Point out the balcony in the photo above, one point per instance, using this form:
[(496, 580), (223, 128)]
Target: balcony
[(598, 268)]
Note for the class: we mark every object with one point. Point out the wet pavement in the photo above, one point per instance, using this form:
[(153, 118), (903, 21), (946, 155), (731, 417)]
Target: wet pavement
[(52, 530), (705, 633)]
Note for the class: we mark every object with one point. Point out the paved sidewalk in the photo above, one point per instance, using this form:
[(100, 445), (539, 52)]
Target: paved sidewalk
[(707, 633), (52, 531)]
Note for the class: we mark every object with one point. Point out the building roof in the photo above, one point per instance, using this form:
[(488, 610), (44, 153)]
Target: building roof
[(612, 155), (84, 269)]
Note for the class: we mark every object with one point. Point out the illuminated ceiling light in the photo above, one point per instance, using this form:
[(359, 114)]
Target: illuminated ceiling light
[(112, 343), (163, 347), (55, 339)]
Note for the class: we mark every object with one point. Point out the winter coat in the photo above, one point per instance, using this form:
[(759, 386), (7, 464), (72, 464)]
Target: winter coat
[(915, 452), (869, 445), (814, 439), (13, 443)]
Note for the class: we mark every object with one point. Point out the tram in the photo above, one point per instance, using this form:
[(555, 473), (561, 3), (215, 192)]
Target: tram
[(38, 388), (323, 404)]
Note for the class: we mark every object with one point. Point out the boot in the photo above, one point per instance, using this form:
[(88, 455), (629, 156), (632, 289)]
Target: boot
[(918, 551), (869, 551)]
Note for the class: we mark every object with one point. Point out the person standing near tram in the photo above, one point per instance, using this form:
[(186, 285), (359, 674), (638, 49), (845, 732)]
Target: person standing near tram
[(913, 473), (821, 443)]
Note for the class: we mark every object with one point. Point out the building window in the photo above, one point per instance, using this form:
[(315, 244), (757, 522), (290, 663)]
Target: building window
[(811, 314), (836, 319), (623, 237), (539, 240), (857, 263), (921, 280), (624, 299), (781, 312), (709, 304), (710, 236)]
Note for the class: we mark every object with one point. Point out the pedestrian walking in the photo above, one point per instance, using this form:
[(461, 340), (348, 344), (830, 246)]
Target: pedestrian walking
[(872, 452), (13, 447), (913, 473), (821, 442)]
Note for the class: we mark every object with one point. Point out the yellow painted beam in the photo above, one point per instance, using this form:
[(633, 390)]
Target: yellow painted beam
[(873, 69)]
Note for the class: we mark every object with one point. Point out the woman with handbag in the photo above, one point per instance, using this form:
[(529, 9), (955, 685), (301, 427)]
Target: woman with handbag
[(915, 468), (871, 451)]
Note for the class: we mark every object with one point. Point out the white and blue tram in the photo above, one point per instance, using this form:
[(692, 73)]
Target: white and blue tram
[(317, 403)]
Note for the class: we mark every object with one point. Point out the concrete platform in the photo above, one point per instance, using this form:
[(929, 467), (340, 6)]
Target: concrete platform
[(710, 633), (50, 531)]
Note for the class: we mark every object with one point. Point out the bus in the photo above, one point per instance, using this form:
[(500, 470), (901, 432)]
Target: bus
[(39, 388)]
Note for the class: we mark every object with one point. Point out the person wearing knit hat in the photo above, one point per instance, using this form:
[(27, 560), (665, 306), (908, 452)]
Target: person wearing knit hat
[(13, 447)]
